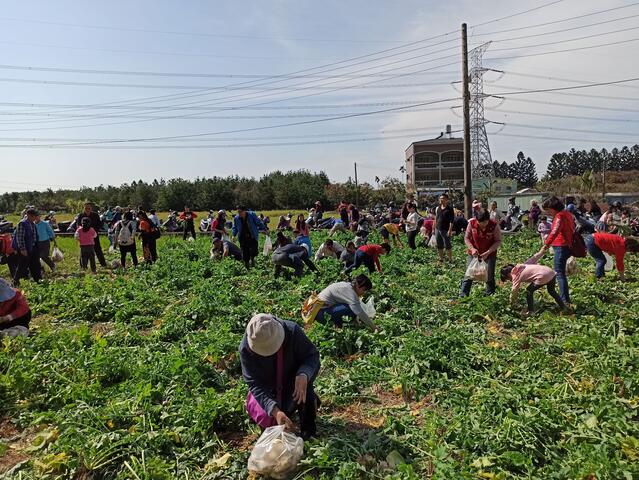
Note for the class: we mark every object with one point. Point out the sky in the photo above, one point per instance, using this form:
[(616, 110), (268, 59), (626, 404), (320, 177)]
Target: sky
[(110, 92)]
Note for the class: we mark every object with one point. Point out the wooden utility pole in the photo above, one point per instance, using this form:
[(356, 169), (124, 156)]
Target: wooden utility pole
[(468, 174), (356, 188)]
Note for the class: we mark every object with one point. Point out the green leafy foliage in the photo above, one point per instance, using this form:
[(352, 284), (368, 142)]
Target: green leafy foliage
[(135, 374)]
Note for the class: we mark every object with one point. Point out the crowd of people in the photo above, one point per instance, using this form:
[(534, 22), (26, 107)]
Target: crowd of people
[(279, 363)]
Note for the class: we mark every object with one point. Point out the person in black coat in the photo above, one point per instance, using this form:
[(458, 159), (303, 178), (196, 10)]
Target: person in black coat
[(266, 340)]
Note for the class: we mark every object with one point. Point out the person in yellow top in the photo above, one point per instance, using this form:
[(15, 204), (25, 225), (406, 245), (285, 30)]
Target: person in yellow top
[(391, 230)]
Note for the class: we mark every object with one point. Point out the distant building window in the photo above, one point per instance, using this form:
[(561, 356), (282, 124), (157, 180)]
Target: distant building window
[(427, 160), (453, 159)]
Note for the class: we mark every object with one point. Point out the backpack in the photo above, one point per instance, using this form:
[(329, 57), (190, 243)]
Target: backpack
[(578, 247), (155, 232), (125, 236)]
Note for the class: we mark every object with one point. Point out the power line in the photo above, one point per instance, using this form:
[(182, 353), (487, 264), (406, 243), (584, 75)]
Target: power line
[(572, 105), (574, 117), (517, 14), (494, 59), (558, 79), (538, 137), (193, 34), (554, 22), (564, 129), (233, 139), (562, 41), (574, 87), (218, 146), (198, 87), (269, 127), (579, 27), (237, 107)]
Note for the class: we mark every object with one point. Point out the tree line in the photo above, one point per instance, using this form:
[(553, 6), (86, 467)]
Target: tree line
[(298, 189), (578, 162)]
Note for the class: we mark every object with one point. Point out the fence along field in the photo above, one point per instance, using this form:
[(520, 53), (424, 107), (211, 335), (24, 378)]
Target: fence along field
[(135, 374)]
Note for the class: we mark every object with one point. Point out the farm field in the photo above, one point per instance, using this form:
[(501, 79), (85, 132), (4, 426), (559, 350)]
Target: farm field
[(273, 214), (135, 374)]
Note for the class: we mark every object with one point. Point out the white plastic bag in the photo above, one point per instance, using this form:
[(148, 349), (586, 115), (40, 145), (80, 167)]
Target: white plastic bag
[(268, 246), (276, 453), (571, 266), (610, 264), (433, 241), (57, 255), (190, 239), (477, 270), (369, 308)]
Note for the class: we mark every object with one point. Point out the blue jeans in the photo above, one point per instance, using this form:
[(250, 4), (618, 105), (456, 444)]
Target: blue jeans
[(596, 253), (562, 254), (336, 314), (362, 259)]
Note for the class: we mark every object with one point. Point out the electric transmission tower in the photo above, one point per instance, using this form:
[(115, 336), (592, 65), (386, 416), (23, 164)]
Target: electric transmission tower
[(481, 160)]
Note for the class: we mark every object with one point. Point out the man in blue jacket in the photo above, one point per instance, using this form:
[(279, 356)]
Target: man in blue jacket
[(25, 243), (247, 227), (267, 338)]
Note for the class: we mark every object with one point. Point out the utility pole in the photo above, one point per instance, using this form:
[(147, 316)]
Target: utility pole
[(356, 188), (468, 176), (603, 178)]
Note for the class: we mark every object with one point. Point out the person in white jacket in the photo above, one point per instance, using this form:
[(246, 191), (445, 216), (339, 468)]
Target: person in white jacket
[(342, 299), (329, 249)]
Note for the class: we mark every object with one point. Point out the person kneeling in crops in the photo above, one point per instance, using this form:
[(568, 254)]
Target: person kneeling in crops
[(483, 238), (225, 248), (15, 314), (369, 255), (537, 276), (292, 256), (342, 299), (279, 365)]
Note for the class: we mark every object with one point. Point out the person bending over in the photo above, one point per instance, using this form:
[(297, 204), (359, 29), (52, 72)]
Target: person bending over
[(279, 365)]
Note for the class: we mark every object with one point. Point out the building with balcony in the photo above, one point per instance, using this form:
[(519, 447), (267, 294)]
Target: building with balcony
[(435, 164)]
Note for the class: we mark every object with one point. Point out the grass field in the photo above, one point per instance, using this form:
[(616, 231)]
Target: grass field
[(135, 374)]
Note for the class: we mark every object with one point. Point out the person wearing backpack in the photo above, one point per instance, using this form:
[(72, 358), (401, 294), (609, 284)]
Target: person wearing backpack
[(560, 239), (149, 232), (125, 238)]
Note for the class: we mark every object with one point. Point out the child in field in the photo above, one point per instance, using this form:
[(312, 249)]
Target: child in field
[(537, 276), (543, 228), (86, 235)]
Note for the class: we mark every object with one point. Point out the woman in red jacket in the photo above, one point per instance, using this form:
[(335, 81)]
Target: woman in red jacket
[(613, 245), (560, 239), (483, 238)]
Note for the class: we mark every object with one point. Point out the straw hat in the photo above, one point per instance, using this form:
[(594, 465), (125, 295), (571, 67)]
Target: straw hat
[(265, 334)]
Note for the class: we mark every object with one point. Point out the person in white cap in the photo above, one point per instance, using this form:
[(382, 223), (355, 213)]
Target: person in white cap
[(279, 365), (14, 309)]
